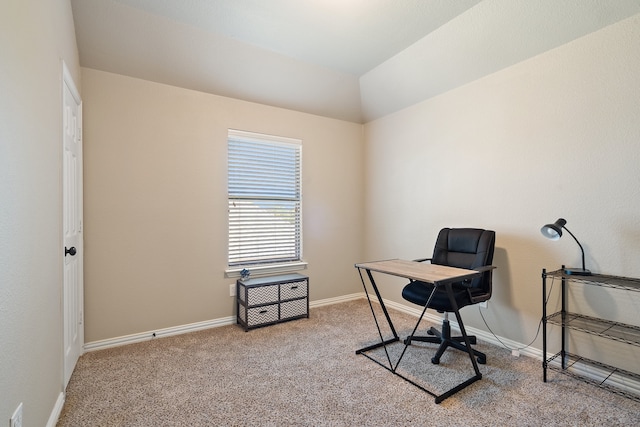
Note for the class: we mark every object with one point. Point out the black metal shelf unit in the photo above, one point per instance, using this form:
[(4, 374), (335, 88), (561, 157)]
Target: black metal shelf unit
[(600, 374)]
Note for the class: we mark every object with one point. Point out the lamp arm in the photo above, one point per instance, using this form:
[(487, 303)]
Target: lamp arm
[(582, 250)]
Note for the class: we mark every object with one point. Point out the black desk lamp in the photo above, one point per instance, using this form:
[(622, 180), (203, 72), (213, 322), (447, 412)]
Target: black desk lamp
[(554, 232)]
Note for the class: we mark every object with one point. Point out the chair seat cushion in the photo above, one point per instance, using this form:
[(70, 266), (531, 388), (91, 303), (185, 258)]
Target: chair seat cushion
[(418, 293)]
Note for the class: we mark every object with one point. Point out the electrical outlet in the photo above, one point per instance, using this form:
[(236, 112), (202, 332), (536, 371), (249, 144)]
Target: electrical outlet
[(232, 290), (16, 418)]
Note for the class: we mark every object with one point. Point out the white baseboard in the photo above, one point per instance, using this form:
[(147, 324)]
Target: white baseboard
[(57, 410), (165, 332), (192, 327), (336, 300)]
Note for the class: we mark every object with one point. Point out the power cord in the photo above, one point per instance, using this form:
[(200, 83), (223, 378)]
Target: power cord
[(537, 332)]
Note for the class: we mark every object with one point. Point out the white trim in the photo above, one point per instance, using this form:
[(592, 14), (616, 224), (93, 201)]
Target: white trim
[(214, 323), (244, 135), (192, 327), (266, 269), (165, 332), (56, 411), (67, 78), (336, 300)]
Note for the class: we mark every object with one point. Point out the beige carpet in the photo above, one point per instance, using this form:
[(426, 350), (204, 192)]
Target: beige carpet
[(306, 373)]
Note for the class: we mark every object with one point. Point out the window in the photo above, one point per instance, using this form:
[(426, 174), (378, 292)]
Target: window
[(264, 199)]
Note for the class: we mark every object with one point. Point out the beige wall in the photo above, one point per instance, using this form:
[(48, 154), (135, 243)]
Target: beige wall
[(34, 37), (555, 136), (155, 202)]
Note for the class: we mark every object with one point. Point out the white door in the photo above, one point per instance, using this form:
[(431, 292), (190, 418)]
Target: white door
[(72, 225)]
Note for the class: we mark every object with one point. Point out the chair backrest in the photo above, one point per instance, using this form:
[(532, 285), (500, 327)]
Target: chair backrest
[(469, 248)]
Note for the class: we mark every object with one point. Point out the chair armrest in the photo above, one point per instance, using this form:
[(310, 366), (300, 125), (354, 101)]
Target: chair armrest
[(467, 282), (485, 268)]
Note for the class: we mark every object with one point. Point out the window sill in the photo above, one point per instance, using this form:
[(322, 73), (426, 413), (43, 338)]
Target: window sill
[(266, 270)]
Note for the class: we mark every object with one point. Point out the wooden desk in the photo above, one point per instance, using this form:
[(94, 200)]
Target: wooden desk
[(422, 271), (439, 275)]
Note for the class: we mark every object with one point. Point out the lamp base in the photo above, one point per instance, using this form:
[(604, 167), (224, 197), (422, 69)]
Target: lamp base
[(577, 272)]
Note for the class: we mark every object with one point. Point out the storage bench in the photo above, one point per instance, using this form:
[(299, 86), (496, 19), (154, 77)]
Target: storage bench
[(267, 300)]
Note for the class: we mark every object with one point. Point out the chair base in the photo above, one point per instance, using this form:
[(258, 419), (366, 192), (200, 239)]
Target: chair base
[(445, 340)]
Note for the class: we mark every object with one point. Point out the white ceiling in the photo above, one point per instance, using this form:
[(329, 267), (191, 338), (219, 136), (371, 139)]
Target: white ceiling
[(354, 60), (351, 36)]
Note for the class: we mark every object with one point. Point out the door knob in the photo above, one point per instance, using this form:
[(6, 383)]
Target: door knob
[(70, 251)]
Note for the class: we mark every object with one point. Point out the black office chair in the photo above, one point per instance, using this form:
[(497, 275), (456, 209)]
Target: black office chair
[(469, 248)]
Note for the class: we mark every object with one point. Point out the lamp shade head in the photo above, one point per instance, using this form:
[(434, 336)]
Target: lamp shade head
[(553, 231)]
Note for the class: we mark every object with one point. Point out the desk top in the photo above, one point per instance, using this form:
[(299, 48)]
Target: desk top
[(422, 271)]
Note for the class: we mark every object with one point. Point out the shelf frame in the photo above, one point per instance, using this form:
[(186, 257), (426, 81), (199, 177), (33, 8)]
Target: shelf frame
[(610, 378), (616, 331), (575, 364)]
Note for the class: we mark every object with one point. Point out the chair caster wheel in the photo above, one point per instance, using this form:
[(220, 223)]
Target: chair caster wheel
[(482, 360), (407, 341), (435, 361)]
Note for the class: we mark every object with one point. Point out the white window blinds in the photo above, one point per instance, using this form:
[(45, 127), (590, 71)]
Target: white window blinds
[(264, 198)]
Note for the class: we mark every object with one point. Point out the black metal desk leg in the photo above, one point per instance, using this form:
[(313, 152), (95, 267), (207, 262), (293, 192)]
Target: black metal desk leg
[(382, 342), (472, 356), (544, 325), (384, 307), (563, 352)]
